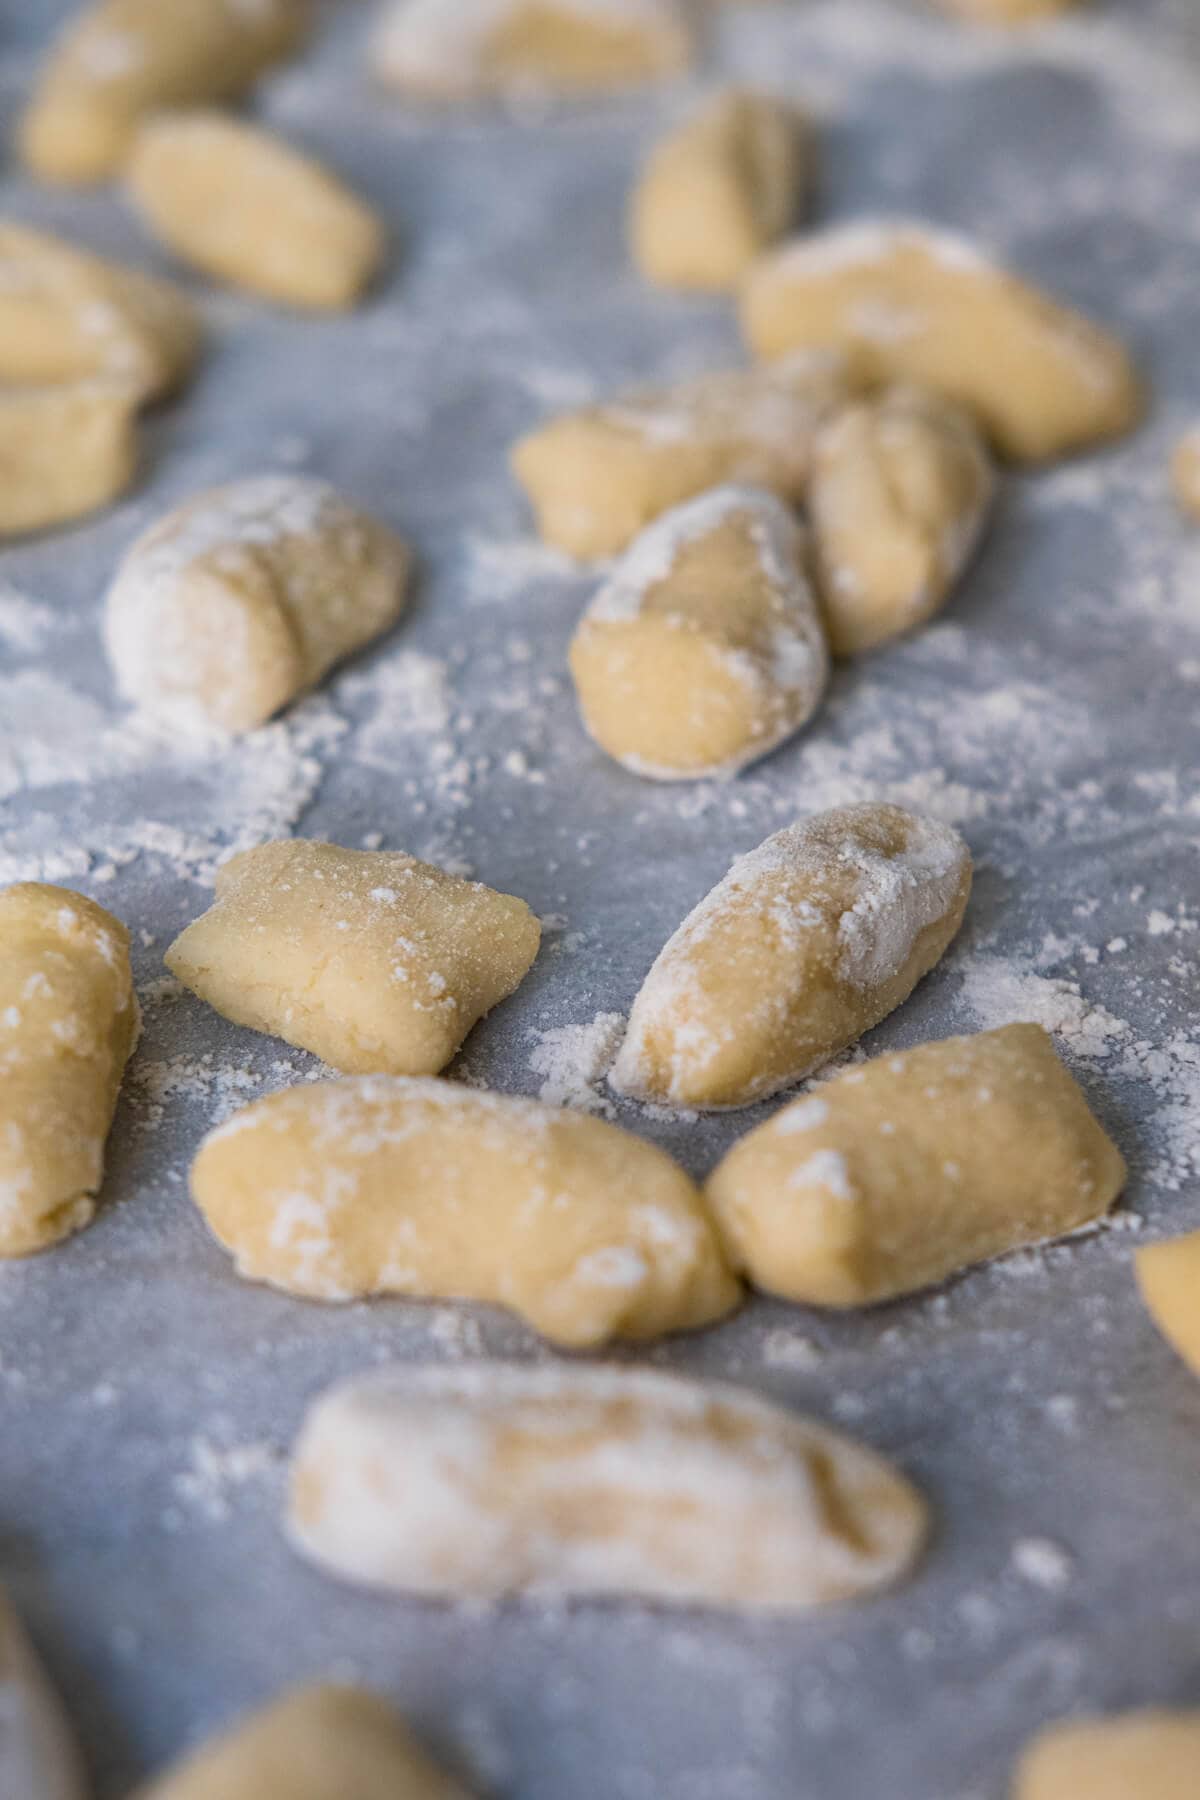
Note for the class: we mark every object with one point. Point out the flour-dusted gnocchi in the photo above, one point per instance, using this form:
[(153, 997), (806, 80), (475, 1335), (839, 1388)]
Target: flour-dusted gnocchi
[(809, 941), (718, 190), (1152, 1755), (900, 491), (65, 451), (1005, 12), (368, 958), (598, 477), (316, 1743), (440, 1191), (705, 649), (245, 596), (242, 205), (37, 1757), (68, 1023), (907, 302), (1169, 1276), (892, 1176), (488, 1480), (1185, 472), (118, 60), (440, 51)]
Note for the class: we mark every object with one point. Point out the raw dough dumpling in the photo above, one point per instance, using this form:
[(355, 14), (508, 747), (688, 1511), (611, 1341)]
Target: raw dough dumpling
[(809, 941), (598, 477), (1169, 1275), (1185, 473), (1153, 1755), (891, 1176), (243, 597), (68, 1023), (37, 1757), (718, 190), (1004, 12), (490, 1480), (65, 451), (705, 649), (368, 958), (907, 302), (239, 203), (440, 1191), (120, 59), (317, 1743), (456, 49), (900, 490)]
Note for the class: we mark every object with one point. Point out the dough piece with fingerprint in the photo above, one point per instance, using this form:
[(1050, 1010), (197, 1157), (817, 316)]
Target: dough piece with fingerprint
[(368, 958), (245, 596), (1169, 1277), (904, 1170), (68, 1024), (65, 452), (384, 1185), (1151, 1755), (808, 942), (705, 649), (480, 1481), (118, 60), (597, 477), (907, 302), (38, 1759)]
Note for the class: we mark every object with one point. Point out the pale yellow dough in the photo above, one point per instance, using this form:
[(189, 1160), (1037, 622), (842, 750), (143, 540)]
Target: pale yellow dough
[(68, 1023), (243, 206), (439, 51), (891, 1176), (118, 60), (1169, 1276), (317, 1743), (900, 491), (705, 650), (1185, 473), (597, 478), (368, 958), (718, 190), (440, 1191), (65, 451), (37, 1757), (907, 302), (1153, 1755), (486, 1480), (1005, 12), (245, 596), (809, 941)]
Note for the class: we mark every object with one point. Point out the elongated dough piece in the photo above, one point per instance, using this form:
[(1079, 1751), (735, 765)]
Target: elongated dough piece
[(1152, 1755), (118, 60), (68, 1023), (316, 1743), (38, 1760), (718, 190), (907, 302), (437, 50), (598, 477), (809, 941), (1005, 12), (431, 1189), (492, 1480), (705, 649), (245, 596), (1185, 472), (67, 315), (368, 958), (1169, 1276), (239, 203), (64, 452), (894, 1175), (901, 488)]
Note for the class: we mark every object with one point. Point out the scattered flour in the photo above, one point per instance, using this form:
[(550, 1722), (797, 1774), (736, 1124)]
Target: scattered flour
[(215, 1474), (573, 1061)]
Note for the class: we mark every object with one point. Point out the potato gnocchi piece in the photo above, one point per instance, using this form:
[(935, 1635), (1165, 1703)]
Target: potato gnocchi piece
[(383, 1185), (509, 47), (900, 492), (719, 189), (37, 1757), (1169, 1277), (598, 477), (705, 650), (64, 452), (243, 206), (1005, 12), (368, 958), (890, 1177), (245, 596), (68, 1024), (488, 1480), (1185, 473), (808, 942), (1152, 1755), (906, 302), (118, 60)]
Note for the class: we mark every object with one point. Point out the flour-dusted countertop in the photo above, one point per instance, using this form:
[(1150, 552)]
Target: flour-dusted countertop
[(147, 1396)]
